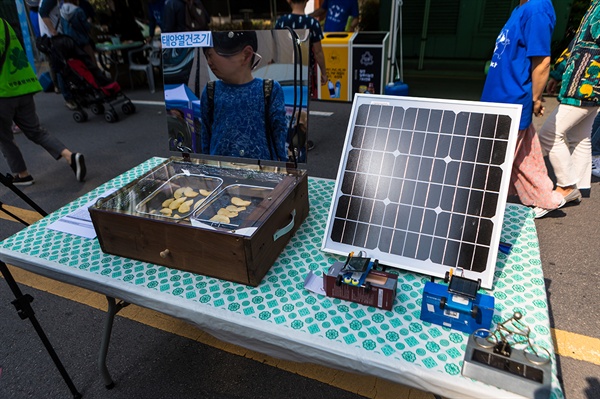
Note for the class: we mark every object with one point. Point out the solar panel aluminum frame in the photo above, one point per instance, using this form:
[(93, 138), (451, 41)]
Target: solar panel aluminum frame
[(506, 122)]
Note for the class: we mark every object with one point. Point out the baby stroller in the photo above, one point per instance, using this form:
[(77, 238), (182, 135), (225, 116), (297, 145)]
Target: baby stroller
[(87, 84)]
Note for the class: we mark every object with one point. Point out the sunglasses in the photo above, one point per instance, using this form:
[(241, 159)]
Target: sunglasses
[(257, 58)]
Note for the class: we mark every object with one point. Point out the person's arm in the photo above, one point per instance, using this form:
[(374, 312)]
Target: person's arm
[(204, 128), (50, 25), (4, 39), (317, 49), (355, 14), (551, 86), (319, 13), (168, 19), (540, 70), (559, 68), (151, 24), (46, 8), (279, 126), (84, 25)]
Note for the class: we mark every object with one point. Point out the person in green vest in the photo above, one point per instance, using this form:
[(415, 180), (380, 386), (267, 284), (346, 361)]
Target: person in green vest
[(18, 84)]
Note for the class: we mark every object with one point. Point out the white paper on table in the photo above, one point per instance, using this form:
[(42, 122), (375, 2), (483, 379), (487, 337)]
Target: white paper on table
[(79, 222), (314, 283)]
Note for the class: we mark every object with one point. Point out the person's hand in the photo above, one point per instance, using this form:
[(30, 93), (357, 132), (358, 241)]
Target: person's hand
[(323, 79), (551, 86), (538, 107)]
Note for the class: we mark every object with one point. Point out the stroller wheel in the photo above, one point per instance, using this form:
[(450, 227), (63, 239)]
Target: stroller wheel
[(111, 116), (128, 108), (97, 109), (80, 116)]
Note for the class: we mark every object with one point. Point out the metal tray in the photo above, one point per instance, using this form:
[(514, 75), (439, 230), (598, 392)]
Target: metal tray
[(153, 204), (253, 195)]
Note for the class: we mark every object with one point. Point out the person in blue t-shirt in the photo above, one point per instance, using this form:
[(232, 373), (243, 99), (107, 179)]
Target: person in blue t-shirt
[(235, 122), (518, 74), (336, 13)]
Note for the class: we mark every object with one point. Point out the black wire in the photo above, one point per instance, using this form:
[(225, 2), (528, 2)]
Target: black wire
[(297, 68), (291, 123)]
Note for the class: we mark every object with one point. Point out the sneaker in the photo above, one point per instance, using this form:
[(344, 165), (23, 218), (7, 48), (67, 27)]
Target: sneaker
[(310, 145), (72, 105), (541, 212), (78, 165), (22, 181), (573, 196), (596, 166)]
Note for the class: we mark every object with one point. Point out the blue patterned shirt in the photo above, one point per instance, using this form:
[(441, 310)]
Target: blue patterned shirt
[(238, 128), (296, 21)]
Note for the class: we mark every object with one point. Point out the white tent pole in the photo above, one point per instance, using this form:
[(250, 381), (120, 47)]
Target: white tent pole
[(400, 4), (424, 34), (395, 72), (391, 58)]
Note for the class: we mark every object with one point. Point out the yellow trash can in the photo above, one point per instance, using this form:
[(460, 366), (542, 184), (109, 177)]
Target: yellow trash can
[(336, 48)]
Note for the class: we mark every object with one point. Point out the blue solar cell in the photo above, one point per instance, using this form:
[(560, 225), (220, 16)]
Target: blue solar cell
[(422, 183)]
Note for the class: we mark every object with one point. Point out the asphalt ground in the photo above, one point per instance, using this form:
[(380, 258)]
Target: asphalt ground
[(154, 356)]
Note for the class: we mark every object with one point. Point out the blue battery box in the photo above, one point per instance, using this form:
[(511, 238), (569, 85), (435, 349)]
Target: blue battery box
[(445, 308)]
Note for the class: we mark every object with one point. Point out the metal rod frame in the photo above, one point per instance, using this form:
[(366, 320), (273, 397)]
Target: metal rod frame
[(23, 305)]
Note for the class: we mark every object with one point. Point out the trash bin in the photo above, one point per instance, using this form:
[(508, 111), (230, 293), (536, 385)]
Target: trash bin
[(368, 62), (336, 49)]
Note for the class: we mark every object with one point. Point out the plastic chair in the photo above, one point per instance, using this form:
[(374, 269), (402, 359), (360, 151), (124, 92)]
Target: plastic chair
[(155, 57), (146, 51)]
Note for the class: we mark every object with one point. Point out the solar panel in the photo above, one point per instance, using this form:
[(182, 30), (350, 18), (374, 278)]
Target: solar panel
[(422, 183)]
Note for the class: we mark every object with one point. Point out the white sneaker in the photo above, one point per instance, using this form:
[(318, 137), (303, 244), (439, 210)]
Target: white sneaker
[(596, 166), (541, 212)]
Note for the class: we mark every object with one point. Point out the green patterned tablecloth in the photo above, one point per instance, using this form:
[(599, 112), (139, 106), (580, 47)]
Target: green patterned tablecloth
[(282, 319)]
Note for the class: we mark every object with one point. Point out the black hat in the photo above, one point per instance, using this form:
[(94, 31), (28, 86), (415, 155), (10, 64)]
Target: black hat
[(230, 43)]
